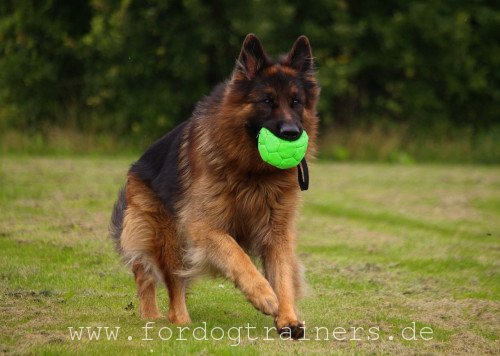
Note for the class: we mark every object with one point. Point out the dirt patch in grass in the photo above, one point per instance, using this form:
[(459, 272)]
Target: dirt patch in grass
[(465, 321), (458, 314)]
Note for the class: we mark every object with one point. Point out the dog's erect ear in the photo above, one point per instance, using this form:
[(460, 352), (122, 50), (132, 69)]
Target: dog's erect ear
[(252, 58), (300, 57)]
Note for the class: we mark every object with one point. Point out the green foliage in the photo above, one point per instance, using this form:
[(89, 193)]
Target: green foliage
[(155, 60), (138, 67), (41, 63)]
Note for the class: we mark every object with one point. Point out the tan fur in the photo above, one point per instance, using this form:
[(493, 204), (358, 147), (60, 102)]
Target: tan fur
[(150, 243), (146, 291), (279, 68)]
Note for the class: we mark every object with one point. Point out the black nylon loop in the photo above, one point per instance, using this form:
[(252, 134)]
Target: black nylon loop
[(303, 172)]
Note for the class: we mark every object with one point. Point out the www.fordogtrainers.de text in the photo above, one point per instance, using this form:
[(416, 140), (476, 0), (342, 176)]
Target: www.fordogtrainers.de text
[(150, 331)]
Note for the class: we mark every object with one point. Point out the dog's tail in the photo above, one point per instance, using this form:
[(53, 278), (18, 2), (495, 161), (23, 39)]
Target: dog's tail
[(116, 224)]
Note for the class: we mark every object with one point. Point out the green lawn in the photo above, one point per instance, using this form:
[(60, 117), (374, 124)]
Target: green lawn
[(384, 246)]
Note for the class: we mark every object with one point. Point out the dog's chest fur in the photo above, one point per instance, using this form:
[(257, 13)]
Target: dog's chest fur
[(254, 209)]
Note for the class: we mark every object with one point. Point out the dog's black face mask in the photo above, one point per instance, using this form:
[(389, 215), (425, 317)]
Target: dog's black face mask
[(277, 91), (276, 101)]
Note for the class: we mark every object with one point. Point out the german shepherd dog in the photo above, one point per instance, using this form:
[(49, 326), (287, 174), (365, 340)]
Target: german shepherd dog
[(201, 200)]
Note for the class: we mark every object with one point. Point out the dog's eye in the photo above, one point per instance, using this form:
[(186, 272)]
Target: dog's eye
[(295, 101), (269, 101)]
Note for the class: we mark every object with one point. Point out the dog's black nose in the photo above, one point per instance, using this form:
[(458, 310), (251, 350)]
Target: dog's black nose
[(289, 131)]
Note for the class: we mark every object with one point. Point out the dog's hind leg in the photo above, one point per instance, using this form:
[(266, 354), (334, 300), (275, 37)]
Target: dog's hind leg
[(177, 310), (172, 263), (149, 241), (146, 291), (140, 245), (138, 248)]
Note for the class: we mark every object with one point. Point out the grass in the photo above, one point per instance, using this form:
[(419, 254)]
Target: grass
[(383, 245), (402, 143)]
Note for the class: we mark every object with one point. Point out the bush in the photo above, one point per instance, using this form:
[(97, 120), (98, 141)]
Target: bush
[(137, 68)]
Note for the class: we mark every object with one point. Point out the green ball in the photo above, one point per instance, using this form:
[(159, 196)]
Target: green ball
[(282, 153)]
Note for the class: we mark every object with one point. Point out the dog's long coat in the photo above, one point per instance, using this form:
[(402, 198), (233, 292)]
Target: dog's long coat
[(201, 200)]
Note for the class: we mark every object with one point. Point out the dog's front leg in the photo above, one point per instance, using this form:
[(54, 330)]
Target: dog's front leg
[(283, 272), (220, 251)]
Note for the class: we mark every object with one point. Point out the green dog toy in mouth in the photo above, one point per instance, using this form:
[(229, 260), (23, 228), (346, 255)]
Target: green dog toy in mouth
[(282, 153)]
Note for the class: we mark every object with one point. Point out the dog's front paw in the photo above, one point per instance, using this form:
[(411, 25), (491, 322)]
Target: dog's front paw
[(178, 318), (290, 329), (263, 298)]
